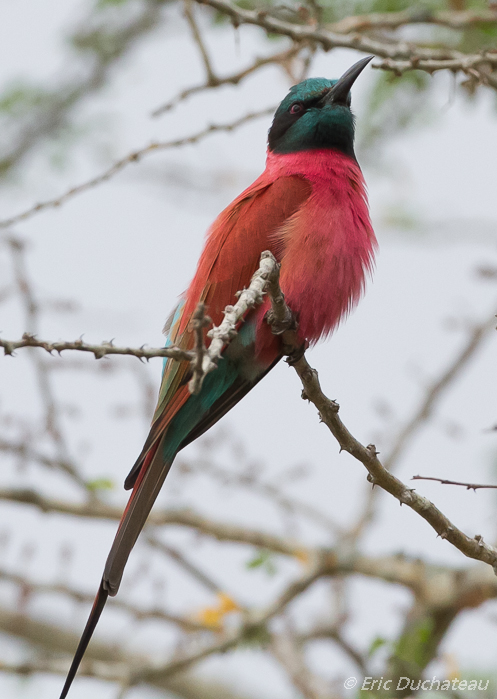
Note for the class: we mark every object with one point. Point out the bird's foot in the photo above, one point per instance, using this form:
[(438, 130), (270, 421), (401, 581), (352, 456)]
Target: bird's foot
[(294, 354), (281, 325)]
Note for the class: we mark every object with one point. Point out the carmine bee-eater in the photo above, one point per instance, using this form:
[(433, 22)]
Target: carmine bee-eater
[(309, 208)]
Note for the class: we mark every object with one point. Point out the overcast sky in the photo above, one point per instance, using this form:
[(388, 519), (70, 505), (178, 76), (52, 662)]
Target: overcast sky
[(127, 249)]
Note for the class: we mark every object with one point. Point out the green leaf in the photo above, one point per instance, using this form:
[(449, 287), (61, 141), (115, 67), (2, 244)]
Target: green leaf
[(100, 484), (263, 559), (106, 3), (376, 643)]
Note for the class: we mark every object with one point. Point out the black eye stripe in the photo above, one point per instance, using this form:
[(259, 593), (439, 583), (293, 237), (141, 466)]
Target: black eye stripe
[(308, 103)]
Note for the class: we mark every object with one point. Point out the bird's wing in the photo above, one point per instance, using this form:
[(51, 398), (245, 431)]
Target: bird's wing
[(230, 257)]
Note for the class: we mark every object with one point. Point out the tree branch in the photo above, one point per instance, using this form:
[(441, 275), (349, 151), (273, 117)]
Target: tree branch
[(102, 660), (414, 15), (226, 331), (415, 57), (99, 351), (133, 157), (444, 481), (378, 475), (233, 79)]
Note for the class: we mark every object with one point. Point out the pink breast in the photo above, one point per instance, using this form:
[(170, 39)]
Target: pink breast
[(328, 245)]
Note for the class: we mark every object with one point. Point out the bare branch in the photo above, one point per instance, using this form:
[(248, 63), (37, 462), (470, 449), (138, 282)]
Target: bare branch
[(414, 15), (415, 57), (99, 351), (233, 79), (103, 660), (253, 622), (425, 409), (187, 565), (200, 321), (197, 37), (378, 475), (332, 632), (224, 333), (36, 588), (96, 509), (444, 481), (133, 157), (473, 66)]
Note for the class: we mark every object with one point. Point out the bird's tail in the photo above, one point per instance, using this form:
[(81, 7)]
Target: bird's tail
[(95, 613), (145, 491)]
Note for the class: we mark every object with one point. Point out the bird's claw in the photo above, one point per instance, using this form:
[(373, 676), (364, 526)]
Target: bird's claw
[(294, 354), (279, 326)]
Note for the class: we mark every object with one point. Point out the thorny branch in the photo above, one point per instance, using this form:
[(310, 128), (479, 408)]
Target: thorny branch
[(31, 588), (425, 410), (104, 43), (98, 351), (399, 55), (415, 15), (433, 587), (378, 475), (280, 58), (266, 279), (133, 157), (445, 481), (224, 333)]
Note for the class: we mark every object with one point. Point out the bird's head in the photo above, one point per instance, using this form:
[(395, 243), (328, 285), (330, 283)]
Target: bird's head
[(316, 114)]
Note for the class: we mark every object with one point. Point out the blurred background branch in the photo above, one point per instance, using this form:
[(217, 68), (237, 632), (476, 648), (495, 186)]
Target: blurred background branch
[(271, 568)]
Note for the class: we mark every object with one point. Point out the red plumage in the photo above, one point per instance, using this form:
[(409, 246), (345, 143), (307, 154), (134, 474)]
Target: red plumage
[(309, 208)]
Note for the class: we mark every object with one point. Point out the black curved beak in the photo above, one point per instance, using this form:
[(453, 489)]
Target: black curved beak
[(340, 90)]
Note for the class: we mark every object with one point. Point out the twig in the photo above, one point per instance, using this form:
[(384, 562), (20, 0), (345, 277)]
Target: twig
[(378, 475), (233, 79), (53, 425), (444, 481), (414, 15), (470, 65), (434, 392), (224, 333), (186, 624), (187, 518), (187, 565), (424, 411), (99, 351), (197, 37), (200, 321), (333, 633), (266, 276), (418, 57), (133, 157), (253, 622)]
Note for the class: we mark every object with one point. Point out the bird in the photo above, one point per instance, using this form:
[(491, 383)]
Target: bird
[(309, 208)]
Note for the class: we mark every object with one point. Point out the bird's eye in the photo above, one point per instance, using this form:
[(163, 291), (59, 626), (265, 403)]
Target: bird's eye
[(296, 108)]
